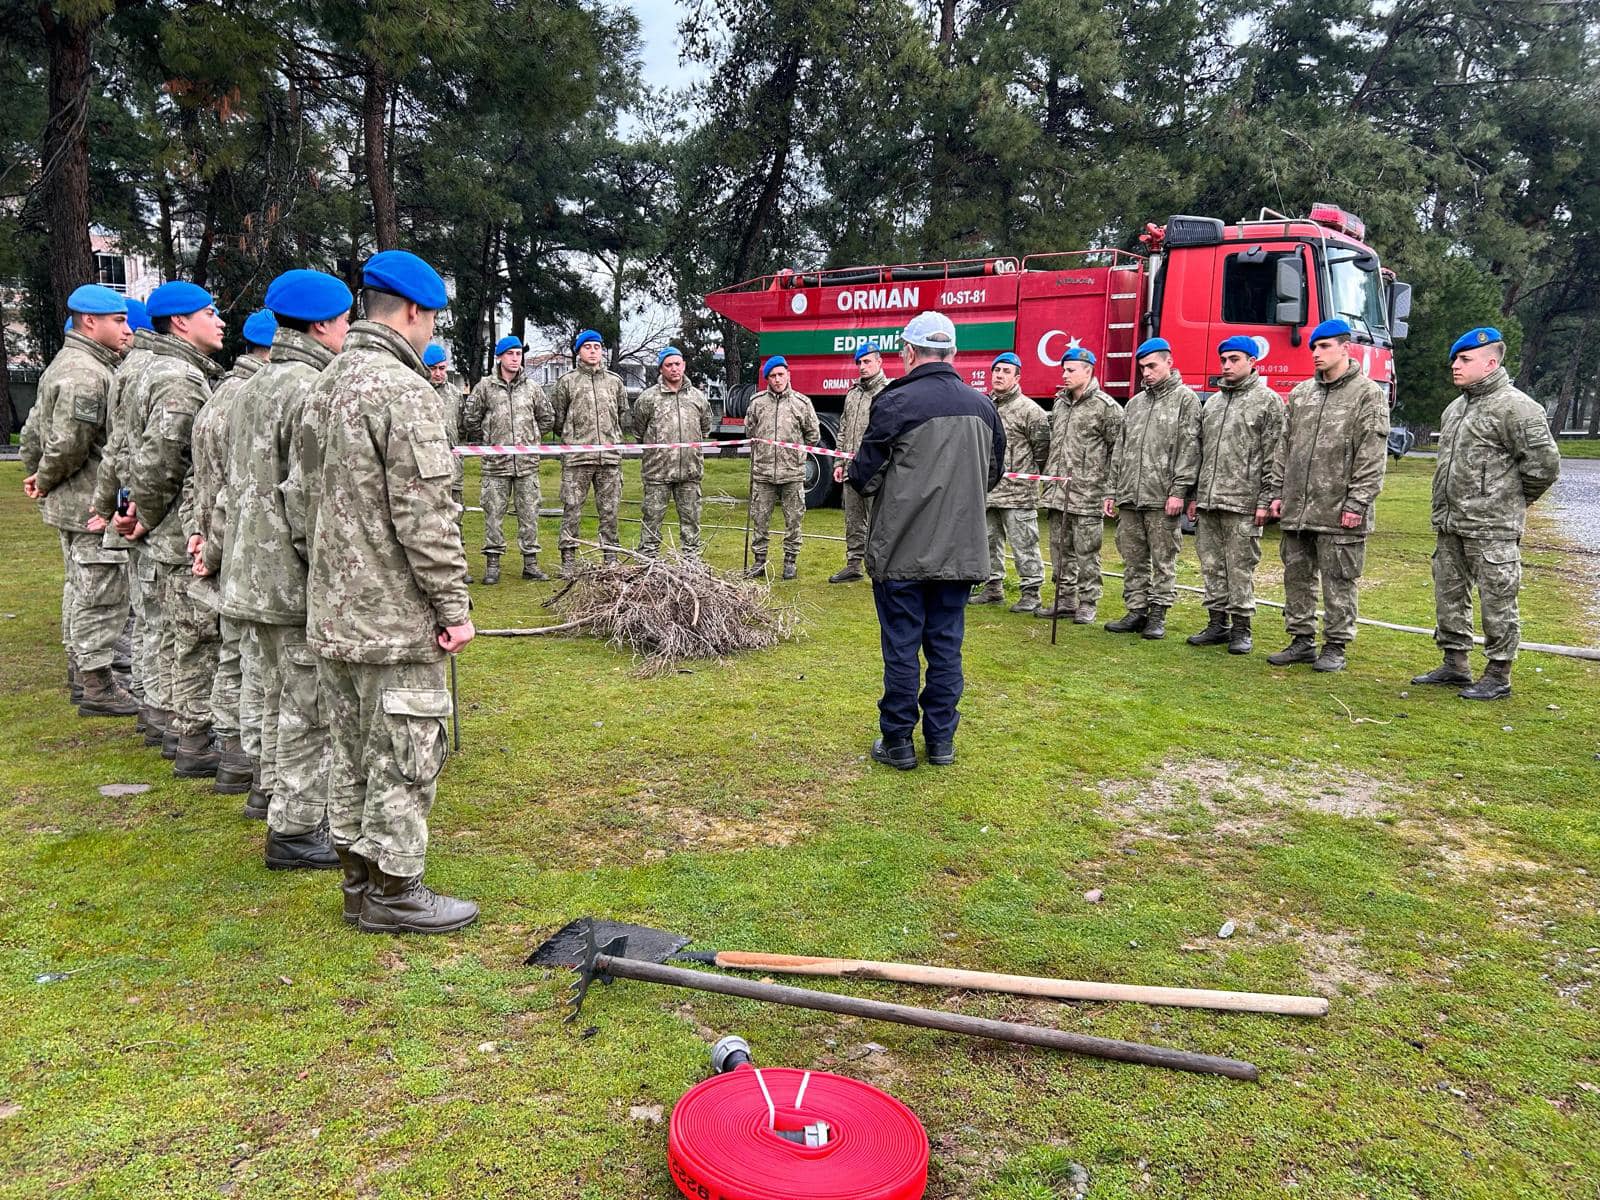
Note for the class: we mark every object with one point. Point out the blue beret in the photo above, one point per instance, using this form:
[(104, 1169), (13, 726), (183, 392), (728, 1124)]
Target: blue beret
[(510, 342), (777, 360), (1006, 357), (1244, 345), (303, 295), (1150, 346), (177, 299), (407, 276), (1484, 335), (260, 328), (868, 348), (67, 328), (666, 353), (584, 338), (1338, 327), (1078, 354), (138, 315), (96, 301), (433, 355)]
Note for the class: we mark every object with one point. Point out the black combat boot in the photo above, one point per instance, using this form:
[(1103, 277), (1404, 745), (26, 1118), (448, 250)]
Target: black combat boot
[(790, 570), (1301, 649), (256, 804), (1495, 684), (531, 570), (1215, 632), (198, 756), (1063, 607), (103, 698), (1454, 670), (901, 753), (1132, 621), (993, 592), (357, 878), (169, 744), (491, 568), (1155, 626), (1331, 658), (394, 904), (1084, 615), (757, 567), (234, 770), (941, 754), (569, 563), (1239, 640), (74, 683), (155, 725), (1028, 602), (850, 573), (300, 851)]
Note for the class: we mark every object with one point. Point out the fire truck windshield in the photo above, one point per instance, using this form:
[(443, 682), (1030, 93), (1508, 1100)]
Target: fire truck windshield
[(1357, 294)]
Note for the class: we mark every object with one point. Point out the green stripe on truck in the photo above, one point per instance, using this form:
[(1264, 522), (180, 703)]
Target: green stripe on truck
[(977, 335)]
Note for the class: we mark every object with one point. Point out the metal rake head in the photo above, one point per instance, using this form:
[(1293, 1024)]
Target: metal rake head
[(588, 970)]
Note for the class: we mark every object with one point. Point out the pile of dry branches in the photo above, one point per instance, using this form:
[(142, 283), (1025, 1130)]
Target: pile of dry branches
[(667, 610)]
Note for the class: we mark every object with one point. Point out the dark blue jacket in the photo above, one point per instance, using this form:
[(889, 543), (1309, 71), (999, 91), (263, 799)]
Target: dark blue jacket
[(933, 449)]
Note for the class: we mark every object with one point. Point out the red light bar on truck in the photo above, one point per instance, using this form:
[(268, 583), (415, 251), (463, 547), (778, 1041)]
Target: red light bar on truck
[(1335, 217)]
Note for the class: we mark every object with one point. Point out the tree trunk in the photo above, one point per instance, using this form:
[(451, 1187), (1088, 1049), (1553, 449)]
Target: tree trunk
[(6, 421), (208, 237), (166, 248), (374, 107), (1569, 378), (66, 153)]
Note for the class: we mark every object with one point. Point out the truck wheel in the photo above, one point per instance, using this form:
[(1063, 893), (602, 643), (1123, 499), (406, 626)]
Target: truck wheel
[(821, 490)]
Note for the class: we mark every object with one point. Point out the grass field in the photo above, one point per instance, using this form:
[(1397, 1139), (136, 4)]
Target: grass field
[(1579, 447), (1428, 863)]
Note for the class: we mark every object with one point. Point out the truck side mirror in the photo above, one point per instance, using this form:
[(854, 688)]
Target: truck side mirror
[(1291, 292), (1399, 309)]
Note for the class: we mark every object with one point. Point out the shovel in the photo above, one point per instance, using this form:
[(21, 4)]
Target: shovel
[(566, 949)]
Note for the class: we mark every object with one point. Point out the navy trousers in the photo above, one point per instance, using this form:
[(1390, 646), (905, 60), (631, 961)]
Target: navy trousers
[(930, 618)]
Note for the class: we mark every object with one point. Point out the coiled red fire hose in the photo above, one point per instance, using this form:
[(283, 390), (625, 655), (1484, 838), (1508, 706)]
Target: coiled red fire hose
[(721, 1144)]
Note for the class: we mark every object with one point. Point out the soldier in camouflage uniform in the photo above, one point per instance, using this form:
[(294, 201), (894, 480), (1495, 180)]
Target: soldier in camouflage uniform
[(1335, 449), (264, 572), (450, 399), (673, 410), (1012, 509), (1083, 434), (590, 408), (852, 424), (177, 384), (1241, 474), (387, 595), (777, 474), (63, 456), (1496, 456), (1153, 470), (230, 709), (508, 408)]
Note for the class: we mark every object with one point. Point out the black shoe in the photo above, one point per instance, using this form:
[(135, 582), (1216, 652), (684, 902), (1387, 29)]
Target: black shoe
[(169, 745), (1495, 684), (491, 569), (1155, 625), (198, 756), (1239, 639), (235, 774), (790, 571), (1301, 649), (1132, 621), (1215, 632), (756, 569), (850, 573), (941, 754), (1454, 670), (300, 851), (256, 805), (393, 904), (532, 570), (357, 878), (902, 756), (1331, 658)]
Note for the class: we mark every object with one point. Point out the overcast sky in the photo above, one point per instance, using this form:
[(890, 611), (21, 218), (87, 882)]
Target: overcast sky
[(658, 28)]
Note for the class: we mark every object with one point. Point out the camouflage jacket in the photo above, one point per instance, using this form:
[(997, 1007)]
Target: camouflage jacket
[(1027, 447), (450, 405), (1158, 452), (858, 411), (506, 414), (116, 464), (373, 480), (1335, 447), (1241, 448), (660, 415), (171, 392), (1083, 434), (590, 408), (1496, 457), (212, 462), (253, 541), (31, 443), (785, 418), (71, 405)]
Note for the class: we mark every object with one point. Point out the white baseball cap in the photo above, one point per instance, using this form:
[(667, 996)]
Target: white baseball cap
[(931, 331)]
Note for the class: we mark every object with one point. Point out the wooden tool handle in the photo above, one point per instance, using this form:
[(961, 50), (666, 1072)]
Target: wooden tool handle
[(1025, 985)]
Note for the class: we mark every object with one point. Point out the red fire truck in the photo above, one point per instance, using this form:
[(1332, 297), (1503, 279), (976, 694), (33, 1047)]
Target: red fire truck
[(1197, 281)]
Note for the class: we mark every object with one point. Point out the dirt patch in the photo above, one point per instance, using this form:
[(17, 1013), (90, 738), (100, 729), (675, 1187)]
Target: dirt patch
[(1466, 849), (1333, 963), (691, 829)]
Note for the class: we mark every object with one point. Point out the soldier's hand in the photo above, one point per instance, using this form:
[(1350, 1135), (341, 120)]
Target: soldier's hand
[(123, 523), (96, 522), (1350, 520), (1109, 507), (838, 474), (1174, 505), (455, 638), (198, 566), (196, 544), (1276, 511), (1261, 516), (30, 487), (1193, 511)]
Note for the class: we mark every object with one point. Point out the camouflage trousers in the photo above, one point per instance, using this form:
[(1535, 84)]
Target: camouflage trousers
[(1494, 567), (294, 730), (136, 628), (1020, 528), (1075, 555), (575, 485), (1149, 542), (190, 641), (686, 496), (763, 498), (388, 730), (1229, 546), (94, 602), (1337, 559), (250, 698), (147, 650), (855, 524), (459, 499), (225, 692), (497, 494)]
